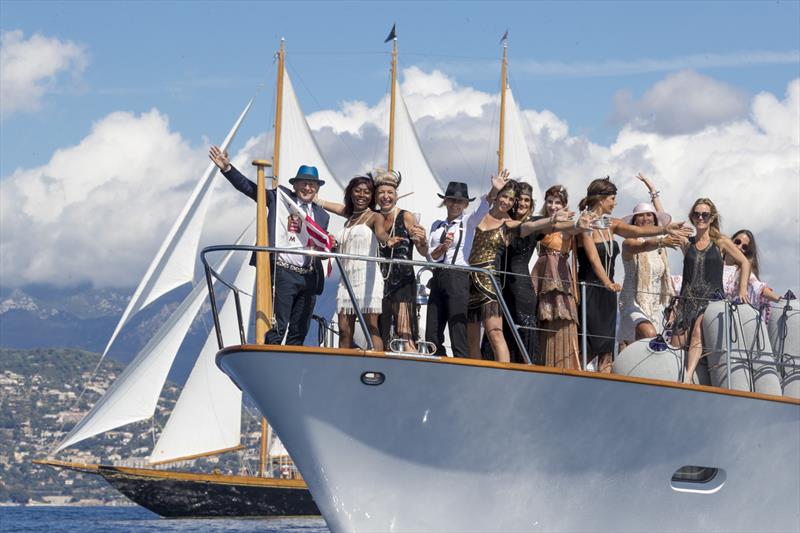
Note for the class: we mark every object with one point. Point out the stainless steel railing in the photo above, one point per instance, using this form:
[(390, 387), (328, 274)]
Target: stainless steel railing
[(731, 356), (211, 274)]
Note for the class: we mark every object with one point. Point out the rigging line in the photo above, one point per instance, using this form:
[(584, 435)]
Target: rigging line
[(450, 56), (296, 73), (334, 53)]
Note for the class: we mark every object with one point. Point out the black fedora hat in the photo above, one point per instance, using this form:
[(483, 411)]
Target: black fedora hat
[(456, 190), (309, 173)]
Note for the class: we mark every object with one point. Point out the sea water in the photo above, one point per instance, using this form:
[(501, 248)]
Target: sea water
[(124, 519)]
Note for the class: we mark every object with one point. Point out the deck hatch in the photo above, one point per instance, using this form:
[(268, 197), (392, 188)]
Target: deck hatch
[(698, 479)]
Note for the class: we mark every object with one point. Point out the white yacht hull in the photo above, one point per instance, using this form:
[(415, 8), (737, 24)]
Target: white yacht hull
[(460, 445)]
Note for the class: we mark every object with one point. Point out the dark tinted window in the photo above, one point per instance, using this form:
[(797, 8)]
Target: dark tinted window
[(694, 474)]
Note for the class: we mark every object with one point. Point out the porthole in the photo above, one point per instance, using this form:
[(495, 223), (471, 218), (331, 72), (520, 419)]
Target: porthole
[(372, 378)]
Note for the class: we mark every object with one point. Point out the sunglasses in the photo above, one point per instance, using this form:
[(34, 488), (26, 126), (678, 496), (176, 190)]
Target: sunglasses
[(744, 247), (701, 216)]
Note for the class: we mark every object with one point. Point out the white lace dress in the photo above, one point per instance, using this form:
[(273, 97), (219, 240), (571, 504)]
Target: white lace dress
[(645, 299), (365, 277)]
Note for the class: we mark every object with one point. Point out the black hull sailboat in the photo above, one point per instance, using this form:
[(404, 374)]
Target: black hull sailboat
[(175, 494)]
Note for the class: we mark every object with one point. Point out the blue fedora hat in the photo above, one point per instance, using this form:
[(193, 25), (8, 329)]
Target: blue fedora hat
[(307, 172)]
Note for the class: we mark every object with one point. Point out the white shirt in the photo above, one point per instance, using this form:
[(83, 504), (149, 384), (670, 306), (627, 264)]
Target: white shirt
[(296, 259), (463, 229)]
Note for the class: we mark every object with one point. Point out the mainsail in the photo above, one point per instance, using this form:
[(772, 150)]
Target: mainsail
[(410, 161), (298, 146), (517, 158), (207, 415), (174, 263), (512, 152)]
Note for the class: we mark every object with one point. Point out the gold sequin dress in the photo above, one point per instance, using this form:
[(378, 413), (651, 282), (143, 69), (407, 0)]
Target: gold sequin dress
[(487, 248)]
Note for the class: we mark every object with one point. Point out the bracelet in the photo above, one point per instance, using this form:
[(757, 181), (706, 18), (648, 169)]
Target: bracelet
[(660, 241), (654, 195)]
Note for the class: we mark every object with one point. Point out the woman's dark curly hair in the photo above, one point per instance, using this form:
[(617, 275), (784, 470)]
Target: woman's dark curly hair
[(348, 193)]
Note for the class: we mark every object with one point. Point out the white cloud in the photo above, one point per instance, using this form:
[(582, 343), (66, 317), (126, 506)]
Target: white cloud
[(683, 102), (98, 211), (30, 67)]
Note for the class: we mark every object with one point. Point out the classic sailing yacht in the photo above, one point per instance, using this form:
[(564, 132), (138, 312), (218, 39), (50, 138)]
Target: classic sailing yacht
[(403, 442), (208, 394)]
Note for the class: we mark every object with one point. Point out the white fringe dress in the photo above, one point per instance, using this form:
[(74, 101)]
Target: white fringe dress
[(365, 277)]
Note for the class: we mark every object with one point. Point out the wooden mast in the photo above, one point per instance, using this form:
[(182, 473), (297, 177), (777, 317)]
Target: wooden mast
[(503, 83), (392, 103), (264, 452), (264, 308)]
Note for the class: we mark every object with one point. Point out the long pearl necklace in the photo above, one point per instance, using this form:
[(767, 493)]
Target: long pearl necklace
[(393, 211)]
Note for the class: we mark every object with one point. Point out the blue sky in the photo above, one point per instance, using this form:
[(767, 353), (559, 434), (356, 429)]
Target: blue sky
[(107, 109), (198, 62)]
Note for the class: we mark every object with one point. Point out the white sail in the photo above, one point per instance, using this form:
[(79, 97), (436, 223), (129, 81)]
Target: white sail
[(516, 157), (174, 263), (207, 415), (410, 161), (133, 396), (298, 146)]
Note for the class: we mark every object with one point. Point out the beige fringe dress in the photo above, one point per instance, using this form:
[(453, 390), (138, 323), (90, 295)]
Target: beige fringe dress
[(558, 311)]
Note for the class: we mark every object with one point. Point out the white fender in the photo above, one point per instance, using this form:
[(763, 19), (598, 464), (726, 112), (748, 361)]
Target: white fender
[(784, 334), (750, 350), (638, 360)]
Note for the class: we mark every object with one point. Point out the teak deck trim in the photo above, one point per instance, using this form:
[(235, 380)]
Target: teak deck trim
[(310, 350), (222, 479)]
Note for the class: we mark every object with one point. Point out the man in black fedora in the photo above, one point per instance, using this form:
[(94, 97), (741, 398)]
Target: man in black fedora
[(298, 279), (450, 240)]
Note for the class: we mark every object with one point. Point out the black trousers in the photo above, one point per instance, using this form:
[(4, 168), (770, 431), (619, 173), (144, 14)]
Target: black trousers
[(293, 306), (447, 304)]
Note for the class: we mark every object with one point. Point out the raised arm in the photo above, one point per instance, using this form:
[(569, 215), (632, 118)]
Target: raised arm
[(232, 174), (594, 260), (655, 196), (728, 248)]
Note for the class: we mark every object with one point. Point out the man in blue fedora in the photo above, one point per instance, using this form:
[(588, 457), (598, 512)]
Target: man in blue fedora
[(297, 279)]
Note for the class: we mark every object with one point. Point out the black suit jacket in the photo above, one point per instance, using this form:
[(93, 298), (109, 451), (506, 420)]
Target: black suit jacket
[(249, 189)]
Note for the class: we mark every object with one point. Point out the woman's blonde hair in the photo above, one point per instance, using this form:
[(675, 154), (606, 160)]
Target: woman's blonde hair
[(713, 223)]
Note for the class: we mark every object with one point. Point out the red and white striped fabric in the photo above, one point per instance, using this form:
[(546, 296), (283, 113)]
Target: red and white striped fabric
[(296, 228)]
